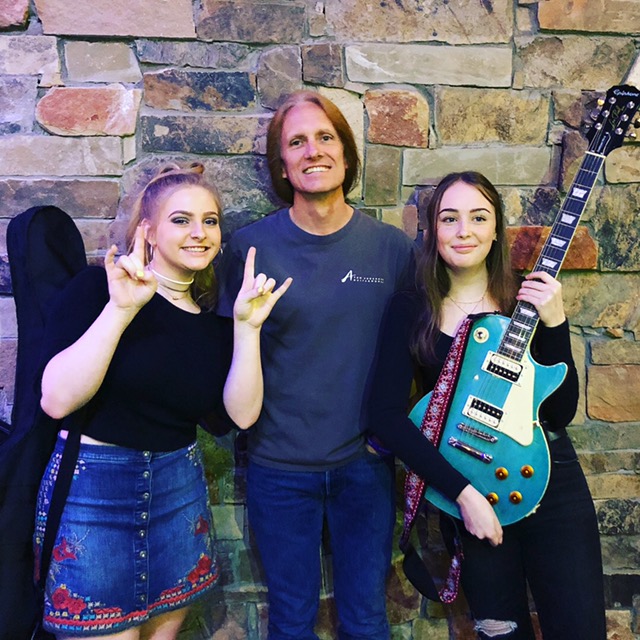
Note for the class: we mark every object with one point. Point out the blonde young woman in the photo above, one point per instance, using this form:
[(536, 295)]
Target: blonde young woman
[(137, 346)]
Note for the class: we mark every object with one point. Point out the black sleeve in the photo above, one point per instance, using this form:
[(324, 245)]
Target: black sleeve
[(551, 346), (389, 396)]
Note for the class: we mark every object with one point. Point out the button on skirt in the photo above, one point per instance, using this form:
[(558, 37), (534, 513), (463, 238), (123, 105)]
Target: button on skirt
[(135, 539)]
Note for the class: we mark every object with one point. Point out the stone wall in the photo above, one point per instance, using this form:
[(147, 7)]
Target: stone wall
[(95, 95)]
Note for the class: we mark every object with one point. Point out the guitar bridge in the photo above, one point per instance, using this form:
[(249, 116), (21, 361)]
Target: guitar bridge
[(478, 433), (483, 412), (474, 453), (502, 367)]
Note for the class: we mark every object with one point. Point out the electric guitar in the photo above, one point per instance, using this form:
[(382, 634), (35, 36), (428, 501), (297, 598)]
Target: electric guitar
[(491, 432)]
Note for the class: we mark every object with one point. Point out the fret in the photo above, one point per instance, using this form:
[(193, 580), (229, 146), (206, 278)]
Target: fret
[(529, 312)]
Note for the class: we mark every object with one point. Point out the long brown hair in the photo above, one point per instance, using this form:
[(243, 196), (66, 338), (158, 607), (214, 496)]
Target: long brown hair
[(433, 277), (168, 180), (281, 184)]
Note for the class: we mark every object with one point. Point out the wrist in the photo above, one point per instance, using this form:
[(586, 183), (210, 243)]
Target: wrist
[(465, 495), (244, 329), (120, 314)]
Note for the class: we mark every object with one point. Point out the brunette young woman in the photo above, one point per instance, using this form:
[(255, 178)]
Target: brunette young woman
[(464, 268), (136, 345)]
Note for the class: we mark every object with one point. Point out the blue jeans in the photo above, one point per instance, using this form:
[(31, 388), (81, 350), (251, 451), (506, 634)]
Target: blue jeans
[(286, 512)]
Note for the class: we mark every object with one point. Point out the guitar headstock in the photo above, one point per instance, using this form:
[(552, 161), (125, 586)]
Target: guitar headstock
[(617, 110)]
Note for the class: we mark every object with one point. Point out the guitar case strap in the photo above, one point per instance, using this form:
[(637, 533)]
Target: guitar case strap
[(58, 499), (414, 487)]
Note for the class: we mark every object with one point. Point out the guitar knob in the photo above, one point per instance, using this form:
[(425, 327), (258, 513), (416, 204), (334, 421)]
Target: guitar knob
[(515, 497), (526, 471), (502, 473), (492, 498)]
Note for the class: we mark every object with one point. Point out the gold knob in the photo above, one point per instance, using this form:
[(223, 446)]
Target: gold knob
[(526, 471), (492, 498), (515, 497), (502, 473)]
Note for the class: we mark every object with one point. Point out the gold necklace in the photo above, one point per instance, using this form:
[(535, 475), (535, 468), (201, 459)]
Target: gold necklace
[(475, 303)]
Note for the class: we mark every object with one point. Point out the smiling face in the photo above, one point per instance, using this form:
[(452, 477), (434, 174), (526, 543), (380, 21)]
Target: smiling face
[(465, 227), (312, 153), (185, 232)]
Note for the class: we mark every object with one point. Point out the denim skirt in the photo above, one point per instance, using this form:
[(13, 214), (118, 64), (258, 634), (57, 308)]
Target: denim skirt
[(135, 539)]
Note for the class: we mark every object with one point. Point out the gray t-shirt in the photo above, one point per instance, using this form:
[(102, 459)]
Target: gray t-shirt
[(319, 342)]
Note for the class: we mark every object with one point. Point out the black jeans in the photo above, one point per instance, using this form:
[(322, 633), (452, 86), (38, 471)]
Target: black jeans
[(556, 551)]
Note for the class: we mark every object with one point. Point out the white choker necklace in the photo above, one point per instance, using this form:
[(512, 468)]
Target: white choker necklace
[(182, 282)]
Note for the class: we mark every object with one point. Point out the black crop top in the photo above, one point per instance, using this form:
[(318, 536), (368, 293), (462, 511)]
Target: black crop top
[(167, 372)]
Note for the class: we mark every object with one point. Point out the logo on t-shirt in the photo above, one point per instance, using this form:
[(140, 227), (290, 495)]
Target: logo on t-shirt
[(352, 277)]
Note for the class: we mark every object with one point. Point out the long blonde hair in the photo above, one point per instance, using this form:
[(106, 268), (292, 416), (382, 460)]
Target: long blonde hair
[(169, 179), (433, 277)]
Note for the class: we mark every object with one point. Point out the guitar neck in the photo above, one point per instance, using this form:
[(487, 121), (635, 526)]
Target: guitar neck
[(525, 318)]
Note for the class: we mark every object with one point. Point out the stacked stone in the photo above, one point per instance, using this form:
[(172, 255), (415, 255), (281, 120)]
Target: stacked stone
[(94, 96)]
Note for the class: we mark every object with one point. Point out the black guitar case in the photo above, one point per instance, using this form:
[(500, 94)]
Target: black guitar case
[(45, 251)]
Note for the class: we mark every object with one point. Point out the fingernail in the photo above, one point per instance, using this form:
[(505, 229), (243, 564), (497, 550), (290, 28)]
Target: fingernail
[(139, 274)]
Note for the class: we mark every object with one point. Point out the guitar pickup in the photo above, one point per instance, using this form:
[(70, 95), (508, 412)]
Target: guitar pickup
[(477, 433), (502, 367), (474, 453), (482, 412)]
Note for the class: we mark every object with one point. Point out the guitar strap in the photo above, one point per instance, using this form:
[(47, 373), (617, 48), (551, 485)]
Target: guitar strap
[(414, 486)]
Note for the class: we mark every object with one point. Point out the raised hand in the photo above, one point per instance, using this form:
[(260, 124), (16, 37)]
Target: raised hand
[(131, 284), (544, 292), (256, 297)]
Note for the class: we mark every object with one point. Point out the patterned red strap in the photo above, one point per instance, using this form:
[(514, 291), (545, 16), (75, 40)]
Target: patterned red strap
[(431, 428)]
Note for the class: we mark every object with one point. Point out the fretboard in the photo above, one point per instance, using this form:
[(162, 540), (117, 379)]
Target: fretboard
[(525, 317)]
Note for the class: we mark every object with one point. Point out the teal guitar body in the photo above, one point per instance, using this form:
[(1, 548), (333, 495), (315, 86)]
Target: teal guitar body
[(491, 433)]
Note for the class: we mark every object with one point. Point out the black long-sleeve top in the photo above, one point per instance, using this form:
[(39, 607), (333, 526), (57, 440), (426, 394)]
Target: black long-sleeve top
[(391, 386)]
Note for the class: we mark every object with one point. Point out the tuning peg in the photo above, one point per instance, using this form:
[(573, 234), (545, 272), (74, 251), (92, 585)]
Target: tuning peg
[(633, 135), (636, 123)]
